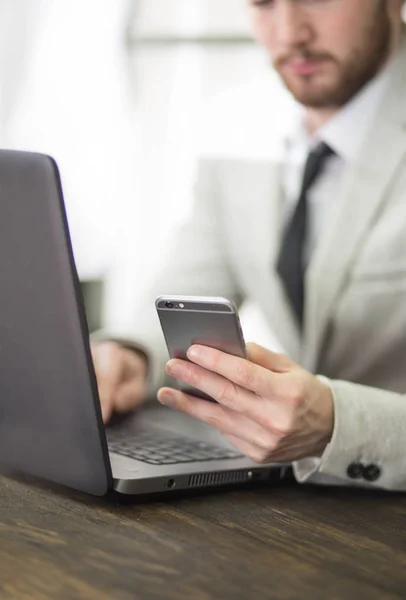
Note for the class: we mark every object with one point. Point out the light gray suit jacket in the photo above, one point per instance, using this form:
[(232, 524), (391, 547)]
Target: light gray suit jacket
[(355, 321)]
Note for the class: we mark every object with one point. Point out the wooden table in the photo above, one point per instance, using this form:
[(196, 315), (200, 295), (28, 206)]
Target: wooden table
[(282, 542)]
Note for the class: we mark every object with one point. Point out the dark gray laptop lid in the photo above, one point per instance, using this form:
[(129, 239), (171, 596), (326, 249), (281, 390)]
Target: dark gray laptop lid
[(50, 418)]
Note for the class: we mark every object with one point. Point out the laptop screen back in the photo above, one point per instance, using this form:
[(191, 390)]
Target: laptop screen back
[(50, 419)]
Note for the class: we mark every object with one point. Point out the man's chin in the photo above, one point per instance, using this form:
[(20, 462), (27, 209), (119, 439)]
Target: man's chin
[(317, 91), (314, 96)]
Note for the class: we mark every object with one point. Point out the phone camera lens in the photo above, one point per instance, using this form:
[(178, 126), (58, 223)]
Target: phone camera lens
[(169, 304)]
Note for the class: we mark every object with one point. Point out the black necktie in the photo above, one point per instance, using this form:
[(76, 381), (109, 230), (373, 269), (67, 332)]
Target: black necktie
[(291, 262)]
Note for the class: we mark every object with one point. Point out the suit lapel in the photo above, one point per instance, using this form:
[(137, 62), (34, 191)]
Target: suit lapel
[(365, 193)]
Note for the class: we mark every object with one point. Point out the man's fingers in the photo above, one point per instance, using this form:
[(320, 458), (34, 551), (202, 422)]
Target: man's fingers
[(106, 408), (227, 393), (108, 369), (217, 416), (243, 373), (134, 364), (107, 399), (278, 363), (130, 395), (121, 377), (122, 398), (107, 363)]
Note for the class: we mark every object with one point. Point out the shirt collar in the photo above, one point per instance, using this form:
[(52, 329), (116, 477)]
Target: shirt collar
[(346, 131)]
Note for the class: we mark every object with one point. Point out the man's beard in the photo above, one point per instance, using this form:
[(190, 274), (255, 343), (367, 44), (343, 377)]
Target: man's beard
[(356, 71)]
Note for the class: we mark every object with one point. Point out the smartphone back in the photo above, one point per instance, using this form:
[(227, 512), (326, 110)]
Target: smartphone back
[(190, 320)]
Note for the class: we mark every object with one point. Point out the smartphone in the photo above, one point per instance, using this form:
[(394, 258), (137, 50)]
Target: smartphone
[(189, 320)]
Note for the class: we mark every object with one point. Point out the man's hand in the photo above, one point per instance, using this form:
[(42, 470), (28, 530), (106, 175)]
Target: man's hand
[(269, 407), (121, 377)]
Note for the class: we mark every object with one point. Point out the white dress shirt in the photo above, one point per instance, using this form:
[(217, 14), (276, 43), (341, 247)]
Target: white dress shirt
[(345, 134)]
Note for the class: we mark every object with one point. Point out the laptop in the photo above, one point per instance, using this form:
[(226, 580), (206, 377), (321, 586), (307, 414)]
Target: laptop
[(50, 418)]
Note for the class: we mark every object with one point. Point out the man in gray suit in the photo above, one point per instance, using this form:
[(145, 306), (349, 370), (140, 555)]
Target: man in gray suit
[(318, 241)]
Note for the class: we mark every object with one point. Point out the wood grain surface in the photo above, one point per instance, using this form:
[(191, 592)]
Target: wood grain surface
[(279, 542)]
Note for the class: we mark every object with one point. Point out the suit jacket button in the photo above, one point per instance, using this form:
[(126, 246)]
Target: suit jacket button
[(372, 472), (356, 470)]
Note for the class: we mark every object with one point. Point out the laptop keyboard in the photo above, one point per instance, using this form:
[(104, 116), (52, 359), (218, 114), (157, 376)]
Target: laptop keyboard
[(160, 449)]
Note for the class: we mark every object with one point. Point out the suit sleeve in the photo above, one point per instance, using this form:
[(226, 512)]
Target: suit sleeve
[(195, 262), (368, 446)]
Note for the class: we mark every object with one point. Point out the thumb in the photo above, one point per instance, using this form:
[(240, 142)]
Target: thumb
[(278, 363)]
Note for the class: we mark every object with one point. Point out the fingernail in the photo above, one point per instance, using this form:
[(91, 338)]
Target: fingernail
[(175, 369), (195, 352), (166, 398)]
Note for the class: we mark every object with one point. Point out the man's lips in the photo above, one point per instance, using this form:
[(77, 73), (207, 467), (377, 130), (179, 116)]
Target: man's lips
[(303, 66)]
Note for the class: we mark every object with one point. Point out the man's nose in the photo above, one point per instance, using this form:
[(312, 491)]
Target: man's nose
[(292, 25)]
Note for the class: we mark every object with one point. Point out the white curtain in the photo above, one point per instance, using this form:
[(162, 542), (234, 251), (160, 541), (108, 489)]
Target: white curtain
[(70, 97), (122, 123)]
